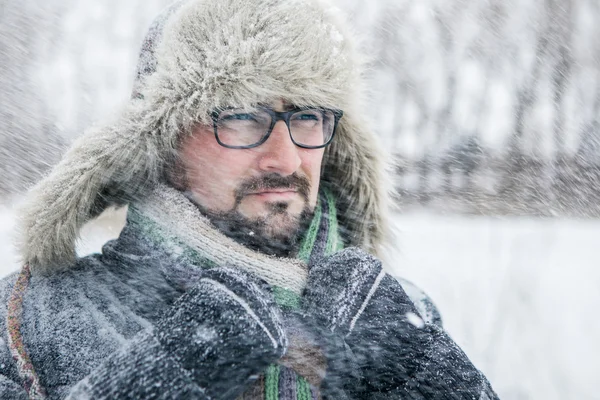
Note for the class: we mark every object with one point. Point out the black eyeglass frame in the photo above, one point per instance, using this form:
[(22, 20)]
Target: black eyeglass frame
[(277, 116)]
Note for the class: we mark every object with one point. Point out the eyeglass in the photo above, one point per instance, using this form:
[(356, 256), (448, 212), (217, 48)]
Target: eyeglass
[(309, 128)]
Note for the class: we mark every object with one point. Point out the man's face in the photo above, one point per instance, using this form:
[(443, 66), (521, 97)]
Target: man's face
[(274, 185)]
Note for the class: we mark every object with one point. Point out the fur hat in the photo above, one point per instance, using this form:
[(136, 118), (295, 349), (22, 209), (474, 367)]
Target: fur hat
[(199, 55)]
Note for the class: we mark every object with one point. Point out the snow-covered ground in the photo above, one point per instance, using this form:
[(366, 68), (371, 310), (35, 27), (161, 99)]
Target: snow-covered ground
[(518, 295)]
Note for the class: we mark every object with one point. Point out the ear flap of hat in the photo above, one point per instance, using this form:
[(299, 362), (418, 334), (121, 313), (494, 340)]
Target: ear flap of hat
[(355, 170), (108, 166)]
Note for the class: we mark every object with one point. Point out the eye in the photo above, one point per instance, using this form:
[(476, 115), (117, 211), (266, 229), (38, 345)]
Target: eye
[(308, 116)]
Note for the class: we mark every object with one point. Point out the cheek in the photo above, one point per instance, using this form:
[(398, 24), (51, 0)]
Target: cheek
[(212, 172)]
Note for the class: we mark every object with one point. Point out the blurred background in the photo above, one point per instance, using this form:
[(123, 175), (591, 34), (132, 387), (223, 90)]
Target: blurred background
[(490, 109)]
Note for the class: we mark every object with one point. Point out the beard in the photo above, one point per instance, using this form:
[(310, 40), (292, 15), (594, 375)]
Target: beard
[(278, 233)]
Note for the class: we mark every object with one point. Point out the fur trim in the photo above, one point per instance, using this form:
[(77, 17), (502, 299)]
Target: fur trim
[(200, 55), (106, 167)]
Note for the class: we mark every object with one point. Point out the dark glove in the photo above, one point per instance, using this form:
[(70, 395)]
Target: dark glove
[(397, 353), (224, 330), (339, 286), (345, 295)]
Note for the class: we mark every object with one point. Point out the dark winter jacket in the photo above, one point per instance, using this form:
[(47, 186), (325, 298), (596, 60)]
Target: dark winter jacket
[(117, 326)]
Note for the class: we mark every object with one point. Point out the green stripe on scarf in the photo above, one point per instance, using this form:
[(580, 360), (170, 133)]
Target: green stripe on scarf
[(272, 382), (302, 389), (311, 234), (286, 299)]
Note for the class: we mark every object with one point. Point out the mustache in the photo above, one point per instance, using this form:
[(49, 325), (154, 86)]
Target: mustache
[(274, 181)]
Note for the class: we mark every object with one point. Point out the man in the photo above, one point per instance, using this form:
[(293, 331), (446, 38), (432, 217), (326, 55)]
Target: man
[(247, 269)]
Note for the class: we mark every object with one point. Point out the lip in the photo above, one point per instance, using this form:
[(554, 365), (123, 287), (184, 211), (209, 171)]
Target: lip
[(275, 194)]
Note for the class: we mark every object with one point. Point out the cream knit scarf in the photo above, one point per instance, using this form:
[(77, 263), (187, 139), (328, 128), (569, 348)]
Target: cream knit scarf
[(170, 220)]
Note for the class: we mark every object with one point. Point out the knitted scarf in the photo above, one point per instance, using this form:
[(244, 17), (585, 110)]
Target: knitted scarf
[(169, 220)]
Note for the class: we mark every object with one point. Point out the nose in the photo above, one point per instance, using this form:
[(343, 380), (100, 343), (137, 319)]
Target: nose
[(280, 154)]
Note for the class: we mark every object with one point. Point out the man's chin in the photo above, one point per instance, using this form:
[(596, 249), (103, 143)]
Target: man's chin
[(280, 225)]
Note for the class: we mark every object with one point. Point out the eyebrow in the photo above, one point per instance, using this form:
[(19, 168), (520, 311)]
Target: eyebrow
[(286, 106)]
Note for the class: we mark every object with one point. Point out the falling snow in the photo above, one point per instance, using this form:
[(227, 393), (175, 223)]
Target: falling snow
[(490, 110)]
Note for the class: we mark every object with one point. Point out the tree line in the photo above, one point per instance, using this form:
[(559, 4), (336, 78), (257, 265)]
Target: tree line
[(490, 106)]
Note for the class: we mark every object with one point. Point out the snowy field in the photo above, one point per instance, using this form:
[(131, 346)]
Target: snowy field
[(518, 295)]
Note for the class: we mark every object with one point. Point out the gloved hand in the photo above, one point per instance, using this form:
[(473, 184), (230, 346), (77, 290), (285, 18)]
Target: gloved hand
[(339, 286), (224, 330), (397, 354)]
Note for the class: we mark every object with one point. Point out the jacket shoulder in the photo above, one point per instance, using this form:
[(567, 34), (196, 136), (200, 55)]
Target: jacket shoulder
[(424, 304)]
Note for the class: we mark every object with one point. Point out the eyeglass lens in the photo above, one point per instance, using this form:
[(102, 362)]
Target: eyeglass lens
[(312, 127)]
